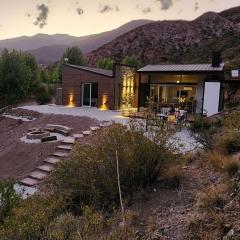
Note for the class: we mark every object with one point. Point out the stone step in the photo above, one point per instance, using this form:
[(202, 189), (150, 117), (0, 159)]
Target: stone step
[(87, 133), (60, 127), (105, 124), (78, 136), (94, 128), (46, 168), (66, 131), (52, 160), (69, 141), (29, 182), (65, 147), (61, 154), (39, 175)]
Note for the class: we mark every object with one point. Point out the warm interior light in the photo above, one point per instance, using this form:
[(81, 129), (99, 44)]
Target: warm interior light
[(104, 103), (178, 82), (127, 91), (71, 97)]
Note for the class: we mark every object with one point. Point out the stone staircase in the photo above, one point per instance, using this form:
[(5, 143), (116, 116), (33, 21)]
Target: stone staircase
[(62, 151)]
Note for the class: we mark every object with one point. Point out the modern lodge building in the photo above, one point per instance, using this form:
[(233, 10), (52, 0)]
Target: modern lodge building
[(197, 88)]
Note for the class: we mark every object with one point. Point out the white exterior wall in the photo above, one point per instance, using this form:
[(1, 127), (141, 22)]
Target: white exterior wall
[(211, 97)]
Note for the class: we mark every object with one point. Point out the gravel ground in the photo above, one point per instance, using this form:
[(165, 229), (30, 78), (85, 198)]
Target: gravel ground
[(18, 159)]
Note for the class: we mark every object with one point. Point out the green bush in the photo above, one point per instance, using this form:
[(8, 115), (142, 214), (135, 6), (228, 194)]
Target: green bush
[(228, 142), (204, 130), (63, 227), (8, 198), (42, 96), (29, 219), (90, 175)]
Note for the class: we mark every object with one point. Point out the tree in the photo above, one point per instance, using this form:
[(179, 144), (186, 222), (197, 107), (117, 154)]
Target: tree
[(131, 61), (19, 76), (105, 63), (74, 56)]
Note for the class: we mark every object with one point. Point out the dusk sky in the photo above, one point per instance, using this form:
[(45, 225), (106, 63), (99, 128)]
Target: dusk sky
[(83, 17)]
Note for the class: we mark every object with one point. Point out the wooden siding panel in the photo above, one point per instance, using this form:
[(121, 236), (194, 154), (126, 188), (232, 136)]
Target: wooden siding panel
[(72, 80)]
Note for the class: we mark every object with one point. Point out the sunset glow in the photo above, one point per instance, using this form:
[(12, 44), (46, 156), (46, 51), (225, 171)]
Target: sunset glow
[(79, 18)]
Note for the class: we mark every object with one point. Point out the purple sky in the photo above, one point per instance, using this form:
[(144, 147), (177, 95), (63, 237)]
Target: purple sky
[(83, 17)]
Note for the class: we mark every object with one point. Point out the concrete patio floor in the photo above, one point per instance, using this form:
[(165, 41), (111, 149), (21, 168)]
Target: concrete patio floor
[(100, 115)]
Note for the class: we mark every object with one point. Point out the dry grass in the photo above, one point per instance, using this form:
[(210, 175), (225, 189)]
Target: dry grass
[(228, 142), (173, 176), (211, 197), (224, 163), (209, 226)]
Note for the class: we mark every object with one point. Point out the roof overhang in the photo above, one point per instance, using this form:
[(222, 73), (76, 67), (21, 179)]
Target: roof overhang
[(182, 69), (97, 71)]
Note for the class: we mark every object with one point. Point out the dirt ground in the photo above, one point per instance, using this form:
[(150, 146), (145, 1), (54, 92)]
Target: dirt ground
[(18, 159), (172, 210)]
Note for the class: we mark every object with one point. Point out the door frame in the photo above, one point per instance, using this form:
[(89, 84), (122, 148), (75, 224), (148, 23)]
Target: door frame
[(90, 95)]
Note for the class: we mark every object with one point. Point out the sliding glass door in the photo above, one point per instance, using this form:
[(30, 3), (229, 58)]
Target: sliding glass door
[(89, 94)]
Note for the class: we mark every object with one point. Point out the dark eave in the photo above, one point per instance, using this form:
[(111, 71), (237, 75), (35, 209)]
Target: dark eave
[(97, 71)]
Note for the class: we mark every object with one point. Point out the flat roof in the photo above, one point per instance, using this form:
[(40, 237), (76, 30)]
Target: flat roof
[(104, 72), (182, 68)]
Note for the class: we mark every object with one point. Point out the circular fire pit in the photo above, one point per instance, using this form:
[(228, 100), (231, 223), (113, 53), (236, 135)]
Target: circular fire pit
[(37, 134)]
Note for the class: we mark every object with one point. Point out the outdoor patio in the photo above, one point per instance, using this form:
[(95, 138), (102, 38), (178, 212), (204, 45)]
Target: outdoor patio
[(95, 113)]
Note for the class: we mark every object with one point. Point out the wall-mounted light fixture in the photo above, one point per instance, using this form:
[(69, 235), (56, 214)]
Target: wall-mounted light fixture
[(71, 102)]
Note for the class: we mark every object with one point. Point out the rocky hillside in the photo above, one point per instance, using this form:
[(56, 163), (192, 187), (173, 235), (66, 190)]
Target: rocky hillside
[(178, 41), (49, 49)]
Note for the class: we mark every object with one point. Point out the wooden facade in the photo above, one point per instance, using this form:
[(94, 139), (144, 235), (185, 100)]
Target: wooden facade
[(72, 82)]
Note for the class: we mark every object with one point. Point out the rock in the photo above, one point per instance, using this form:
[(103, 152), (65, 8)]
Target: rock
[(230, 233)]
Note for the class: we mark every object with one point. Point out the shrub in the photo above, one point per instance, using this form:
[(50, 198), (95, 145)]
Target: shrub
[(63, 227), (210, 198), (216, 159), (194, 228), (91, 225), (173, 176), (28, 220), (42, 96), (8, 198), (233, 145), (232, 167), (90, 175), (204, 130), (223, 163)]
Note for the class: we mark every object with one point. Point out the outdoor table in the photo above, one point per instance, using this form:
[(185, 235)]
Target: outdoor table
[(161, 116)]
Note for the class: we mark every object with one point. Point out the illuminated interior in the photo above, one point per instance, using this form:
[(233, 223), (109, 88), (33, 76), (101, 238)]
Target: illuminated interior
[(172, 93), (127, 100)]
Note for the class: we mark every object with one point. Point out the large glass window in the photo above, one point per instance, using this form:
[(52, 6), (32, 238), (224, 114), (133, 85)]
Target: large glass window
[(172, 93)]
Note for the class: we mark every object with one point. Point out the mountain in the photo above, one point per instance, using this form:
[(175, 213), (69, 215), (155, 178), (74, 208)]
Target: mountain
[(177, 41), (232, 14), (49, 48), (92, 42), (25, 43), (49, 54)]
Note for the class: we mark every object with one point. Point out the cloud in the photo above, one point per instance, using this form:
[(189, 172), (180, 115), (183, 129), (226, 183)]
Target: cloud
[(146, 10), (41, 20), (166, 4), (196, 6), (79, 11), (180, 11), (107, 8)]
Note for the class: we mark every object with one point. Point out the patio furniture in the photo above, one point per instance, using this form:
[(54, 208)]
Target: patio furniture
[(155, 122)]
